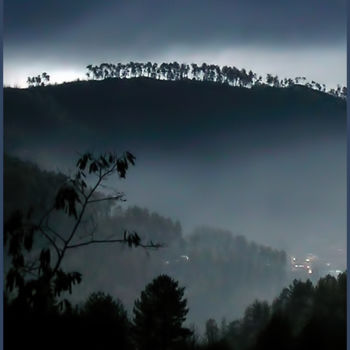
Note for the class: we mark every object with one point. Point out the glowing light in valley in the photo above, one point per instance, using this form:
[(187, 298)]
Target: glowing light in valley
[(181, 258)]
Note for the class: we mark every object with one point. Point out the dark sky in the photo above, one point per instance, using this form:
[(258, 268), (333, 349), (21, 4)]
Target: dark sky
[(300, 37)]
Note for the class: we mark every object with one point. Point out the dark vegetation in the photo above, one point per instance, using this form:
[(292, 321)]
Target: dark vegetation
[(101, 322), (37, 249), (27, 186), (88, 114), (212, 254), (220, 266), (159, 315), (303, 316)]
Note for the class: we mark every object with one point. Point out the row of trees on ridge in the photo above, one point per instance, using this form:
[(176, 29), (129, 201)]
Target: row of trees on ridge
[(39, 80), (175, 71)]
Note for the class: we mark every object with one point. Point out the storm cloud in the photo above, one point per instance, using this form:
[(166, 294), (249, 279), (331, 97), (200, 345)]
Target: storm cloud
[(64, 36), (156, 23)]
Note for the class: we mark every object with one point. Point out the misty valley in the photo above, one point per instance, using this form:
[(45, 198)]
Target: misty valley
[(160, 207)]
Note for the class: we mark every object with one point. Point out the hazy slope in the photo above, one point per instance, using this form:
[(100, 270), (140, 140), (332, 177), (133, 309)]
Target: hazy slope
[(222, 273), (267, 163), (170, 115)]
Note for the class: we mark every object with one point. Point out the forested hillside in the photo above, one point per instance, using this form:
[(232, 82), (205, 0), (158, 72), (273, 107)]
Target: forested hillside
[(219, 269)]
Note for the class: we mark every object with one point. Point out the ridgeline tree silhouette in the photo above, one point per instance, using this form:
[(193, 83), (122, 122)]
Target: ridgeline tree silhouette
[(159, 314), (39, 80), (175, 71)]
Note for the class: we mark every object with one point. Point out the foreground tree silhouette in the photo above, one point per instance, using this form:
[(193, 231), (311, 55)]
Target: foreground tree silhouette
[(159, 314), (37, 249), (211, 331), (105, 323)]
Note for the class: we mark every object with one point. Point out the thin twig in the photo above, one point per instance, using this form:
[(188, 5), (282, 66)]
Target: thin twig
[(54, 232), (96, 241), (106, 199)]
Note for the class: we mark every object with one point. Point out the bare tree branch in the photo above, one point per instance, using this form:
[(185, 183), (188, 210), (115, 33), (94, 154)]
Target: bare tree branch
[(73, 198), (96, 241), (58, 250), (47, 227), (118, 197)]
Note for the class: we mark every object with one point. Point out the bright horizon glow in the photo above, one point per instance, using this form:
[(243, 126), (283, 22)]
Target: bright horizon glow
[(323, 65), (59, 76)]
